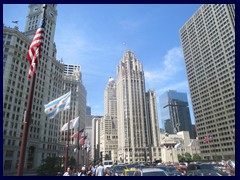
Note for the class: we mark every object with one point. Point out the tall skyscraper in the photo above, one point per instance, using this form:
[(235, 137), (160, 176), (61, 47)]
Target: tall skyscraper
[(208, 42), (95, 147), (44, 137), (175, 113), (109, 133), (43, 133), (153, 126), (110, 99), (131, 110), (72, 81), (88, 111)]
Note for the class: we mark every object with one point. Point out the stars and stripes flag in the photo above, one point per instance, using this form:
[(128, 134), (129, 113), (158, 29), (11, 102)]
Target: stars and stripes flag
[(35, 49), (81, 134), (83, 140), (208, 138), (60, 104), (73, 124)]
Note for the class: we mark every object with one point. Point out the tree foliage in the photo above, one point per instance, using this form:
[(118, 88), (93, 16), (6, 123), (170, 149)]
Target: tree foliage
[(50, 166), (181, 158), (188, 156), (196, 157)]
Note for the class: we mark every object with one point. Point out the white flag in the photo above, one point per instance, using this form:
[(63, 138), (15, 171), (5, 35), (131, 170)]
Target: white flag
[(178, 146), (88, 147), (60, 104), (192, 143), (73, 124)]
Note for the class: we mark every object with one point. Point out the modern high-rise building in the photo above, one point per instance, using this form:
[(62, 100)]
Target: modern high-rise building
[(175, 113), (131, 110), (88, 111), (44, 137), (208, 42)]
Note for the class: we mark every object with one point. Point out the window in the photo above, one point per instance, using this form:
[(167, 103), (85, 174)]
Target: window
[(7, 164), (6, 50)]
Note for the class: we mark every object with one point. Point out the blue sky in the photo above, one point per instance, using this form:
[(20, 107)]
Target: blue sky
[(95, 36)]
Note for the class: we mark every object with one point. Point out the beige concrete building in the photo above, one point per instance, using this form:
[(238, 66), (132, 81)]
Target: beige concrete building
[(170, 150), (44, 137), (72, 80), (154, 142), (109, 130), (131, 110), (95, 148), (208, 42)]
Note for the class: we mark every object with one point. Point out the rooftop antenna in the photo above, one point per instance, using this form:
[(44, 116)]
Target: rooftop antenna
[(125, 46)]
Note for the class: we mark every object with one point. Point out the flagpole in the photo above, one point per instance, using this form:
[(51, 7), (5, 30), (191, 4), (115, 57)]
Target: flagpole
[(67, 142), (78, 148), (214, 151), (172, 155), (27, 119), (26, 123), (210, 149)]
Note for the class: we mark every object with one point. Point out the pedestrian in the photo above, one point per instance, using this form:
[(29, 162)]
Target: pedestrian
[(69, 171), (93, 170), (89, 170), (59, 174), (100, 170), (83, 172)]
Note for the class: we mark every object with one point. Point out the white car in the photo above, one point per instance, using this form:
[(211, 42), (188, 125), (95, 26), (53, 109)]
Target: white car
[(107, 163), (150, 172)]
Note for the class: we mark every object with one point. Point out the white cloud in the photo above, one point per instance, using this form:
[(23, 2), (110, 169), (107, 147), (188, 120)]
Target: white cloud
[(179, 86), (172, 64), (173, 61)]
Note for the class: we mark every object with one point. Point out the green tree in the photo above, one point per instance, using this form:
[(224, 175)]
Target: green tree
[(50, 166), (188, 156), (181, 158), (196, 157), (72, 161)]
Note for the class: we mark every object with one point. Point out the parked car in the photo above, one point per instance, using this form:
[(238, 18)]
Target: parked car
[(181, 167), (203, 172), (205, 166), (129, 172), (172, 171), (150, 172), (118, 169), (107, 163)]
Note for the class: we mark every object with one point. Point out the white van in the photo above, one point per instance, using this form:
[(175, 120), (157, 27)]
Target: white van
[(107, 163)]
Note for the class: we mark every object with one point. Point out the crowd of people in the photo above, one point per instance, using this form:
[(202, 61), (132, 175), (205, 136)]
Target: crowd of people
[(90, 170), (98, 170)]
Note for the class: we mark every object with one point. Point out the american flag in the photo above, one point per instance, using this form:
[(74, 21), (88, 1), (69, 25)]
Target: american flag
[(34, 52), (208, 138), (83, 140), (35, 49), (81, 134)]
